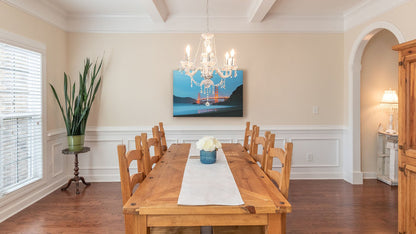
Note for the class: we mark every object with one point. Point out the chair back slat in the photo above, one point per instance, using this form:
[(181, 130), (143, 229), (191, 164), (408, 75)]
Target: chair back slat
[(285, 156), (279, 153), (274, 175), (153, 142), (137, 155), (136, 179), (128, 182)]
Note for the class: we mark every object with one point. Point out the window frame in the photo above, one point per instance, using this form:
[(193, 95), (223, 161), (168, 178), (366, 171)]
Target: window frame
[(29, 44)]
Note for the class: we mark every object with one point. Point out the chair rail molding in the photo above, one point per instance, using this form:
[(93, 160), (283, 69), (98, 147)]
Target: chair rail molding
[(318, 149)]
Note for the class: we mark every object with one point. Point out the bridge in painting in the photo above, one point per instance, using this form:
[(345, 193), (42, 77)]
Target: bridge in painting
[(214, 99)]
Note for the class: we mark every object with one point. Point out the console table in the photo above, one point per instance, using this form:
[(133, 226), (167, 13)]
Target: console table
[(76, 178), (387, 157)]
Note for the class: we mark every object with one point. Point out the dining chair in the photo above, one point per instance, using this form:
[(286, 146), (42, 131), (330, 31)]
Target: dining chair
[(266, 142), (162, 136), (282, 178), (262, 141), (159, 133), (129, 182), (145, 146), (249, 135)]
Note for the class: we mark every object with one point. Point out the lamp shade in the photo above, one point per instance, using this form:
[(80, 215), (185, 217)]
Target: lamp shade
[(390, 97)]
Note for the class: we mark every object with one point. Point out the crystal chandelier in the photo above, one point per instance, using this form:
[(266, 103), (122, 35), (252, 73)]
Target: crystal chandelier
[(206, 62)]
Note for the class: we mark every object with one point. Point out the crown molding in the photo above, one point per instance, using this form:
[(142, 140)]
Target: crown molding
[(175, 24), (45, 10), (368, 10), (50, 12)]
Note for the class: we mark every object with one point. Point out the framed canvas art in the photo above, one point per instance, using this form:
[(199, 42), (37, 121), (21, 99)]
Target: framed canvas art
[(221, 100)]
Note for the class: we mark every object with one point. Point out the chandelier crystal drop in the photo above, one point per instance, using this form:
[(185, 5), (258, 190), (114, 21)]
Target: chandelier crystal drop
[(205, 61)]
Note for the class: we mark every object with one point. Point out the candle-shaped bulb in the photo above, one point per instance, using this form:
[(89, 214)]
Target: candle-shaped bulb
[(227, 55), (208, 49), (188, 51), (232, 53)]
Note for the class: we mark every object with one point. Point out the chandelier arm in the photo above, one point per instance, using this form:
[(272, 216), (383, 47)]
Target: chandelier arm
[(220, 83), (191, 73), (220, 73)]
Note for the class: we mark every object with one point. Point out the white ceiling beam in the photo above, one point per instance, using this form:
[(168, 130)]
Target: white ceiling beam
[(260, 10), (157, 10)]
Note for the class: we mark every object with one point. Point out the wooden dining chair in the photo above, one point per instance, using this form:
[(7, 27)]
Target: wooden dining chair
[(262, 141), (282, 178), (159, 133), (248, 137), (128, 182), (145, 146), (266, 142), (162, 138)]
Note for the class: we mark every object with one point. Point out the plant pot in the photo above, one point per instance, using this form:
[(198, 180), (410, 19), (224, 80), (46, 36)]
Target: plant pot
[(76, 143), (208, 157)]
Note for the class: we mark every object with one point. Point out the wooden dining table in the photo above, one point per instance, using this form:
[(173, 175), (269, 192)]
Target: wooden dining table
[(154, 203)]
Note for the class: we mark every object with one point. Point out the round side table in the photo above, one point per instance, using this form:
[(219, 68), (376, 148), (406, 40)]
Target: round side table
[(76, 178)]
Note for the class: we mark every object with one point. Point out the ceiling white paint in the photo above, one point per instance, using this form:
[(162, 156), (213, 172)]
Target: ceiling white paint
[(190, 15)]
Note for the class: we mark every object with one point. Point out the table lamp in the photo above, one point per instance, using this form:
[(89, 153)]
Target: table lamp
[(390, 100)]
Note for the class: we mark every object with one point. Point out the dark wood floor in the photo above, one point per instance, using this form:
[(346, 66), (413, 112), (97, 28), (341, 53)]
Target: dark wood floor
[(319, 206)]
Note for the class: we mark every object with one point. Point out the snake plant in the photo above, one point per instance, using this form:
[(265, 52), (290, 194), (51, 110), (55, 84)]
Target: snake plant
[(76, 109)]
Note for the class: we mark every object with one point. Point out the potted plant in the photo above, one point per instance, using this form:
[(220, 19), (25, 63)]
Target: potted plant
[(76, 107), (208, 147)]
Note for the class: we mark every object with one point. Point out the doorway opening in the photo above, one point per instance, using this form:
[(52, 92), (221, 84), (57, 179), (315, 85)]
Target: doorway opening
[(352, 159), (379, 72)]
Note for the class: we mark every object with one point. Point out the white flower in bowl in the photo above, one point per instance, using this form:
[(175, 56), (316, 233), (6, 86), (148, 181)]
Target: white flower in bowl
[(208, 143)]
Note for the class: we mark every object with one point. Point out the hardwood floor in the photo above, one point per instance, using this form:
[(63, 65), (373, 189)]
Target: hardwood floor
[(319, 206)]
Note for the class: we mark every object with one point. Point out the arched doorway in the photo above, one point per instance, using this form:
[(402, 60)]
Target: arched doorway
[(352, 156)]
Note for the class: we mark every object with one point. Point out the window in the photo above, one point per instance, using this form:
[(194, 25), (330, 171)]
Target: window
[(20, 117)]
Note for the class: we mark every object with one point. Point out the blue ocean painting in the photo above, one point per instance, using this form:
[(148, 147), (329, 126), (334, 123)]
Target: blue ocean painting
[(218, 101)]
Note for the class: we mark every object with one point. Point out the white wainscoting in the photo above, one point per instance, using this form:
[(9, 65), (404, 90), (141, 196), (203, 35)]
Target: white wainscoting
[(317, 154), (55, 174), (317, 150)]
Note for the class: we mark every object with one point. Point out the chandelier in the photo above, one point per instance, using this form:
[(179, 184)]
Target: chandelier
[(205, 61)]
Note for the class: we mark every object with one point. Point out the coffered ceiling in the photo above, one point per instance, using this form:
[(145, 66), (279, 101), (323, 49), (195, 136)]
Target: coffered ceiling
[(190, 15)]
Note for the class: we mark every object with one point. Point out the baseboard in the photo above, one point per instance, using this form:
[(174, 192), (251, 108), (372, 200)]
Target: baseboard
[(316, 176), (370, 175), (18, 203), (354, 178)]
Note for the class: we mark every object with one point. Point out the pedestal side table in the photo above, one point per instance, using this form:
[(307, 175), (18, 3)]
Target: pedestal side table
[(76, 178)]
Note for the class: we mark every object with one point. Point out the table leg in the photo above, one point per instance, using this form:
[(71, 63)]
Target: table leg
[(83, 181), (277, 224), (141, 224), (68, 184), (76, 177)]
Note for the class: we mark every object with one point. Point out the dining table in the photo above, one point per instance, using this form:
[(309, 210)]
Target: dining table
[(155, 202)]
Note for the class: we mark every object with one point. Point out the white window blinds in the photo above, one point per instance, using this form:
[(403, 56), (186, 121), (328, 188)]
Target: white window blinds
[(20, 117)]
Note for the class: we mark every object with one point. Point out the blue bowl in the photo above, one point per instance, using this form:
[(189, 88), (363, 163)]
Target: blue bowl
[(208, 157)]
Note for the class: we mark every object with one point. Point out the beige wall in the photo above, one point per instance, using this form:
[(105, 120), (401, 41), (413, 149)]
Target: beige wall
[(284, 76), (22, 24), (378, 73)]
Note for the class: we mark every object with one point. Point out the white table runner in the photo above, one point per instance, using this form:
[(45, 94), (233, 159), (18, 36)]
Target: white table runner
[(208, 184)]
